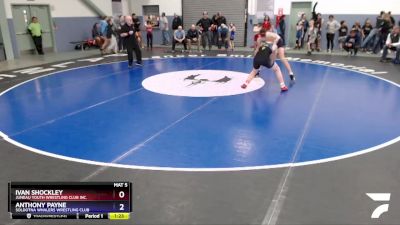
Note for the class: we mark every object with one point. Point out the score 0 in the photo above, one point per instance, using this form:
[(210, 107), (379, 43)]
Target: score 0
[(121, 194)]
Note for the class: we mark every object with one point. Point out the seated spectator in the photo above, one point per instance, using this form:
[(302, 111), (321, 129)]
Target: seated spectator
[(223, 32), (193, 36), (369, 41), (357, 27), (103, 32), (179, 38), (352, 43), (392, 43), (267, 23)]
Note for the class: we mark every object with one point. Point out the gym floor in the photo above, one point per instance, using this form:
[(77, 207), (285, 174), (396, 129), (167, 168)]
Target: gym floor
[(178, 187)]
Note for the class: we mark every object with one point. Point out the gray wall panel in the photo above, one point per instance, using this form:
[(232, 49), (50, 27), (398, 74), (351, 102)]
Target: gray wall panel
[(233, 10)]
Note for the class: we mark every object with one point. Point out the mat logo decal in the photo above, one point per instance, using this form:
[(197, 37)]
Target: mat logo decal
[(195, 81), (379, 197), (201, 83)]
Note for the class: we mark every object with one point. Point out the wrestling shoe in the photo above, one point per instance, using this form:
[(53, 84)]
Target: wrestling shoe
[(292, 77), (284, 88), (244, 86)]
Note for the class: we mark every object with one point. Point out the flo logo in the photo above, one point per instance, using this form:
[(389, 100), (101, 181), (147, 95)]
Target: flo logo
[(382, 198), (201, 83), (195, 81)]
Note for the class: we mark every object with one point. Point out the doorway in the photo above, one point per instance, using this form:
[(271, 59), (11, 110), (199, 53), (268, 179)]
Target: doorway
[(22, 15)]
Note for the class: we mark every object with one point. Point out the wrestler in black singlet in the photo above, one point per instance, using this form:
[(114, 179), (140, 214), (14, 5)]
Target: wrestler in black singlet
[(263, 57)]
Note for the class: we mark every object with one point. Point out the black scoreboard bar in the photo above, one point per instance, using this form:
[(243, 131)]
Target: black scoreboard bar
[(70, 200)]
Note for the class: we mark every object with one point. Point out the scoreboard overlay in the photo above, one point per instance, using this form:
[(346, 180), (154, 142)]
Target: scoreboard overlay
[(70, 200)]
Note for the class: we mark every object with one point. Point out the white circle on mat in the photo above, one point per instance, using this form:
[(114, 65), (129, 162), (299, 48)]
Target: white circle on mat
[(201, 83)]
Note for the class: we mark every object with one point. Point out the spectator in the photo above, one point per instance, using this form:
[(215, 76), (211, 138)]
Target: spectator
[(214, 29), (357, 27), (331, 27), (299, 34), (103, 26), (312, 35), (384, 29), (193, 36), (176, 22), (110, 35), (164, 29), (392, 43), (138, 33), (352, 42), (103, 33), (179, 38), (232, 31), (205, 24), (304, 21), (281, 27), (223, 32), (96, 34), (267, 23), (128, 32), (370, 39), (35, 29), (256, 30), (342, 33), (393, 22), (149, 34), (366, 30), (318, 24)]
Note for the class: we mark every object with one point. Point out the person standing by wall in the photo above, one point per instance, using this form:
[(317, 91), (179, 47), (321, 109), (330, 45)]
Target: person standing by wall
[(128, 32), (331, 27), (318, 24), (205, 24), (164, 29), (138, 34), (312, 34), (232, 31), (35, 30), (176, 22), (111, 37), (299, 34), (281, 27), (121, 23), (304, 21), (149, 34), (343, 30)]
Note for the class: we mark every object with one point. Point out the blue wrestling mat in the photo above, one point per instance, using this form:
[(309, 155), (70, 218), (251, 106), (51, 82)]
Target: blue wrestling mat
[(191, 114)]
